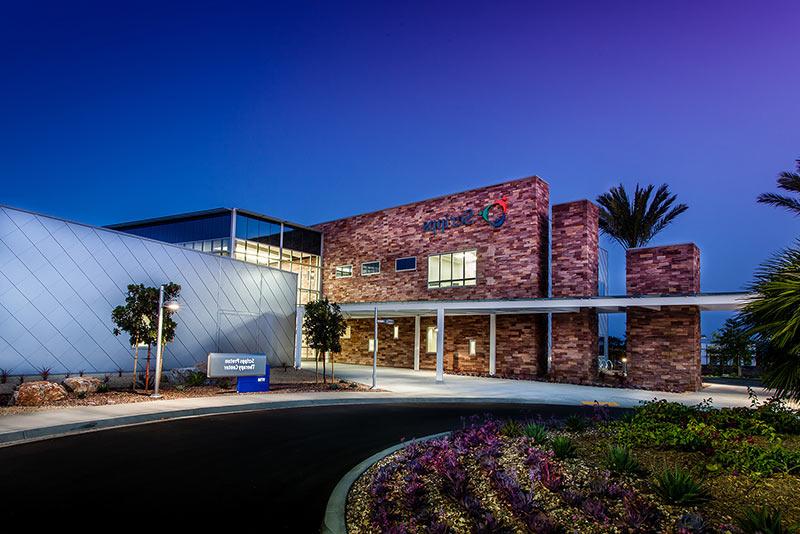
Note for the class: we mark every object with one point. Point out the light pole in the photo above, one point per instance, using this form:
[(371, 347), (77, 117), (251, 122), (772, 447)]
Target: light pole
[(375, 348), (172, 306)]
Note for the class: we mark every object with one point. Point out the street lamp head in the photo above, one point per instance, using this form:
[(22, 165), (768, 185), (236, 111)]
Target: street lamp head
[(172, 305)]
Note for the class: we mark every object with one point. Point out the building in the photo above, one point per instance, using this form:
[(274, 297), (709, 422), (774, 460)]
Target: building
[(491, 281), (60, 280)]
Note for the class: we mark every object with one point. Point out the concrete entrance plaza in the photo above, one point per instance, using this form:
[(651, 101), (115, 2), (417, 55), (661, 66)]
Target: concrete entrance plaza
[(418, 384)]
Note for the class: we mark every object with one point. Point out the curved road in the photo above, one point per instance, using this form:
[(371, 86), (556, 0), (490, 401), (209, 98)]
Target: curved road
[(275, 468)]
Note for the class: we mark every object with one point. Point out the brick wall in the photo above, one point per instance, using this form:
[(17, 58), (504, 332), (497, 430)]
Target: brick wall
[(519, 344), (512, 259), (574, 254), (663, 346), (665, 270), (574, 249)]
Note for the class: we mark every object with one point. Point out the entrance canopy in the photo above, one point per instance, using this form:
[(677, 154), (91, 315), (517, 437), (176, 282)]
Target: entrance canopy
[(609, 304)]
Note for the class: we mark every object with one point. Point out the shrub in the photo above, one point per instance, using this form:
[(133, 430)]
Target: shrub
[(333, 386), (196, 378), (536, 432), (82, 395), (621, 460), (44, 372), (4, 376), (677, 486), (692, 524), (763, 521), (563, 447), (511, 429), (103, 388), (576, 423)]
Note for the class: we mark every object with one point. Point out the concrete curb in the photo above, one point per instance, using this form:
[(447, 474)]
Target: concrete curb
[(17, 437), (335, 520)]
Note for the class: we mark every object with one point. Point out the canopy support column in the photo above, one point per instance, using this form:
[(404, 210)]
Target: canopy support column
[(492, 344), (440, 345), (416, 343)]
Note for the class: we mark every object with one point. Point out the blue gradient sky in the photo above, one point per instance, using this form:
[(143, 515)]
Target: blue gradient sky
[(311, 111)]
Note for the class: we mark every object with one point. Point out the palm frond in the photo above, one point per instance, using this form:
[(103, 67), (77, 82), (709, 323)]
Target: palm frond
[(780, 201), (634, 222)]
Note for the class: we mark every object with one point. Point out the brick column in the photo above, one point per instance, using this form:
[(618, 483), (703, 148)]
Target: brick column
[(574, 251), (663, 346)]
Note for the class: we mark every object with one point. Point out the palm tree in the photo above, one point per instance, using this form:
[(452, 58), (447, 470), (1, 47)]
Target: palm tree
[(788, 181), (773, 317), (634, 224)]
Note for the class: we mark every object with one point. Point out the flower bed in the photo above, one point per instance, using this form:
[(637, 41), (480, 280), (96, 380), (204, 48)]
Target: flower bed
[(665, 468)]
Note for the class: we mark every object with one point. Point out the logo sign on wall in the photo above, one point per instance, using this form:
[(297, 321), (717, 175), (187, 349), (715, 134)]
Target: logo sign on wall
[(493, 213)]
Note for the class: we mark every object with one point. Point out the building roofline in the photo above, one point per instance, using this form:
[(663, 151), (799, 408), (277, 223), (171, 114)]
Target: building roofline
[(203, 213), (534, 177), (134, 236)]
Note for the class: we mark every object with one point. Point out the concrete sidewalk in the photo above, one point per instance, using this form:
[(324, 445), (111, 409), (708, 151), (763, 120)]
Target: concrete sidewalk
[(400, 385), (423, 384)]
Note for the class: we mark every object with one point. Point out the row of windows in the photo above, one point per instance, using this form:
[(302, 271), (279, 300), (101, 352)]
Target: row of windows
[(369, 268), (453, 269)]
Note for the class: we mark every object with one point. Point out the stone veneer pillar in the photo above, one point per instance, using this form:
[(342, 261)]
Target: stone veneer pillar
[(574, 255), (663, 346)]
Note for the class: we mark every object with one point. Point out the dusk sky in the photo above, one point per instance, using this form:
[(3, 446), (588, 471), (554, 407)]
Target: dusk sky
[(314, 111)]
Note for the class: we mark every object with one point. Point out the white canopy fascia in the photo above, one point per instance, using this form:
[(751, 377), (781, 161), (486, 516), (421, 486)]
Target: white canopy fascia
[(611, 304)]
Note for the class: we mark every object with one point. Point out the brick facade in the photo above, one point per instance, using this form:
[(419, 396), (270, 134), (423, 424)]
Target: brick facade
[(574, 256), (512, 259), (519, 344), (665, 270), (663, 346)]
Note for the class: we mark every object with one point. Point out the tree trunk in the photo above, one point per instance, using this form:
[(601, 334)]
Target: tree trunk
[(739, 365), (324, 376), (333, 376), (316, 366), (135, 364), (147, 369)]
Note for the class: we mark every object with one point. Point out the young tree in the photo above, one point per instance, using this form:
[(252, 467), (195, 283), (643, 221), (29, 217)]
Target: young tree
[(633, 223), (731, 345), (132, 318), (139, 319), (324, 326), (788, 181)]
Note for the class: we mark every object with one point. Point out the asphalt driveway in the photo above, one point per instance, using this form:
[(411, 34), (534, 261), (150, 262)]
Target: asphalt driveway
[(271, 470)]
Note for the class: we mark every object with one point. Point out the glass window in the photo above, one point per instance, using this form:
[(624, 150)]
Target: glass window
[(453, 269), (371, 344), (405, 264), (396, 332), (430, 340), (370, 267), (473, 347), (343, 271), (346, 334)]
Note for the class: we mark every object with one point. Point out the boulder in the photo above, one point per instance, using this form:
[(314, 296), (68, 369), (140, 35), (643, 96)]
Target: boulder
[(81, 385), (38, 393)]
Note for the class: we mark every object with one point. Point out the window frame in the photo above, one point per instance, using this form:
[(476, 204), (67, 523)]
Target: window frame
[(363, 263), (450, 282), (405, 270), (337, 267)]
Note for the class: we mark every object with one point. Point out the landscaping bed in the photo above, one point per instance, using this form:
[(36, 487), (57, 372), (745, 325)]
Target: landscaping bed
[(287, 380), (663, 468)]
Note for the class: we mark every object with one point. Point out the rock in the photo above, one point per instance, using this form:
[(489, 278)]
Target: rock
[(81, 384), (38, 393)]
